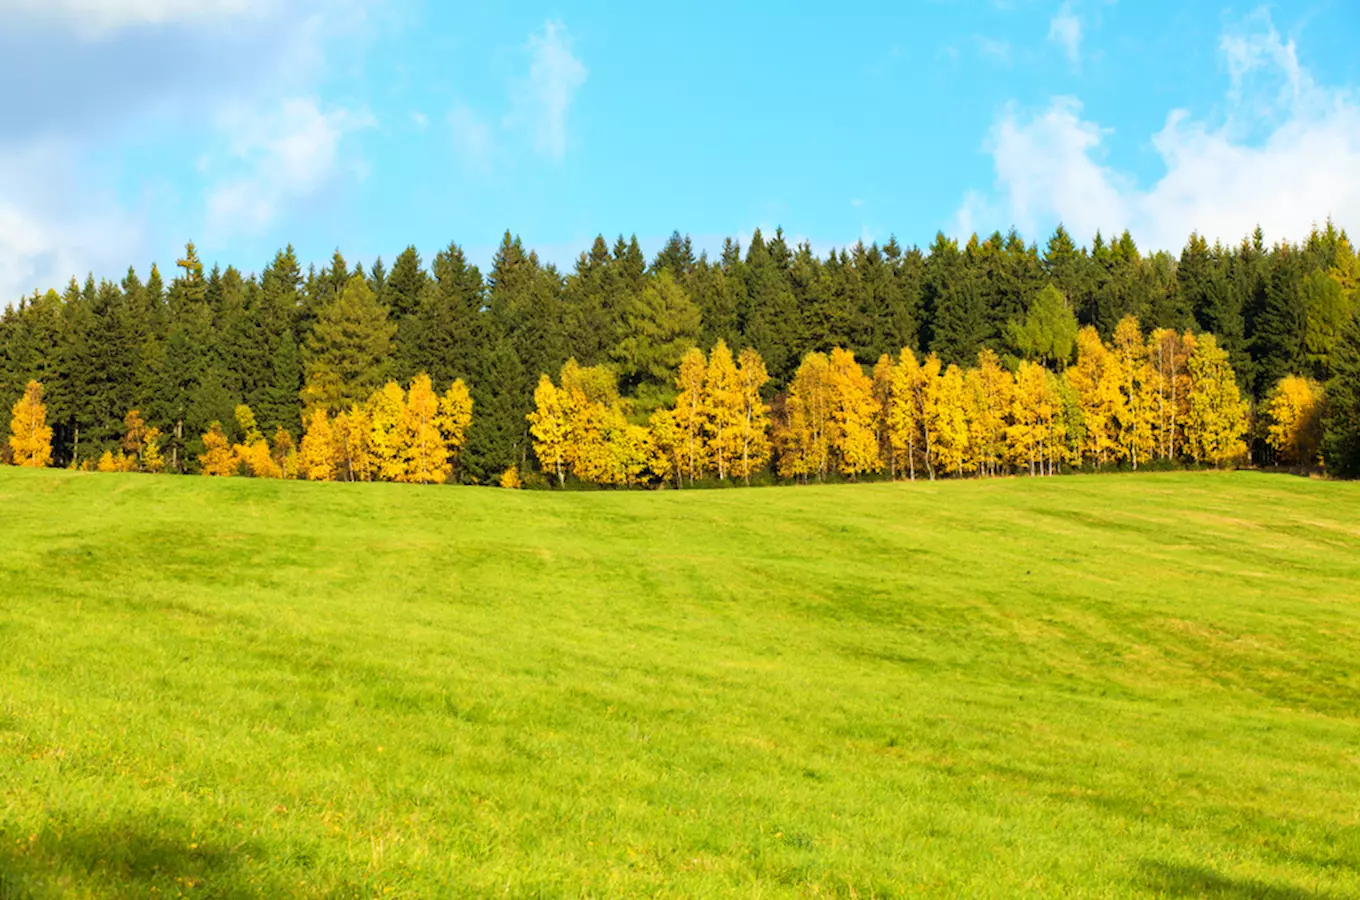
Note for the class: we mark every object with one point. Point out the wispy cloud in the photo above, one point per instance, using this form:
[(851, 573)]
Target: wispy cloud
[(1064, 29), (542, 101), (94, 19), (1303, 164), (282, 155)]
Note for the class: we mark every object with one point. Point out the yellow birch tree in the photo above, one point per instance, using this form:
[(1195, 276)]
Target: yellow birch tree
[(1293, 420), (722, 404), (752, 376), (1217, 417), (30, 439)]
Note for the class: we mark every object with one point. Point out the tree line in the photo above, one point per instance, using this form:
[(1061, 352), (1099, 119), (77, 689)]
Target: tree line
[(215, 360)]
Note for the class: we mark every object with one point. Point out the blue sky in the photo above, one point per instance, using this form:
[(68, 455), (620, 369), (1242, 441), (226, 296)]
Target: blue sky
[(130, 126)]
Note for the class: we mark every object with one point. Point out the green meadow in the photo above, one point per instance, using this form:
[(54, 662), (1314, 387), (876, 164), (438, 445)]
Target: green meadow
[(1112, 686)]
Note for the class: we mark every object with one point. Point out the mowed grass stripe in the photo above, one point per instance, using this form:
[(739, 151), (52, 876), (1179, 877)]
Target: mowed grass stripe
[(1137, 685)]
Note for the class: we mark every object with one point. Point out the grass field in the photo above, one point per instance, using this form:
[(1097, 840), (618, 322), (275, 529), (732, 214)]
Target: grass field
[(1080, 687)]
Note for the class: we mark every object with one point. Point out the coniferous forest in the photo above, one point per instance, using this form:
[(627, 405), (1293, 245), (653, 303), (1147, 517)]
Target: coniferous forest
[(768, 362)]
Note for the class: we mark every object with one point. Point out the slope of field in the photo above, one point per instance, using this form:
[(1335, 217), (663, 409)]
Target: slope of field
[(1082, 687)]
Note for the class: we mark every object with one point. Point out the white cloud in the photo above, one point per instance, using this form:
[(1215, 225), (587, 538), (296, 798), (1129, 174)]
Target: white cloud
[(542, 101), (1284, 158), (1065, 30), (52, 226), (286, 154), (97, 18)]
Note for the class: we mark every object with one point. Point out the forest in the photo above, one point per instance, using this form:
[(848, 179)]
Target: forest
[(767, 363)]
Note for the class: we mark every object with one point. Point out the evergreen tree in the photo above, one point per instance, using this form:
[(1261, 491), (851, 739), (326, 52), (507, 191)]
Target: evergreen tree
[(349, 349), (1341, 441)]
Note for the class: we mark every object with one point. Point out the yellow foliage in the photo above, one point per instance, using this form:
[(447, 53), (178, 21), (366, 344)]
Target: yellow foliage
[(946, 420), (805, 435), (453, 420), (754, 455), (1033, 412), (1293, 419), (1135, 415), (691, 413), (1168, 355), (666, 448), (510, 479), (217, 459), (316, 458), (107, 463), (1217, 418), (549, 429), (30, 439), (722, 404), (1097, 380), (989, 390), (152, 460), (854, 415)]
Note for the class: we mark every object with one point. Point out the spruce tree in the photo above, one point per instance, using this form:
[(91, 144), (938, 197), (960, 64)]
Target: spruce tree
[(349, 350), (1341, 442)]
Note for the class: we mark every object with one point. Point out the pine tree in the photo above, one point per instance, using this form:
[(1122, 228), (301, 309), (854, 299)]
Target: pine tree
[(1341, 438), (444, 332), (660, 324), (349, 349)]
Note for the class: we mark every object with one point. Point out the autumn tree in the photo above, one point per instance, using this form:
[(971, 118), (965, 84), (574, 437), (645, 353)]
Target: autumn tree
[(722, 403), (453, 421), (1293, 420), (854, 414), (549, 428), (754, 426), (217, 458), (1168, 355), (316, 456), (946, 420), (30, 439), (1135, 413), (912, 383), (1096, 379), (691, 413), (989, 389), (1217, 419), (805, 434)]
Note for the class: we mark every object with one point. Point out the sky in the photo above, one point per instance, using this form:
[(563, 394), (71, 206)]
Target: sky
[(128, 127)]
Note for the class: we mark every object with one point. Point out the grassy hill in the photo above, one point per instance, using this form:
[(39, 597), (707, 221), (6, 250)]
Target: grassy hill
[(1082, 687)]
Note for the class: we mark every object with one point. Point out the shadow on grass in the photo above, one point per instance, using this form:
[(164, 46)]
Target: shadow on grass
[(1192, 881), (122, 860)]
